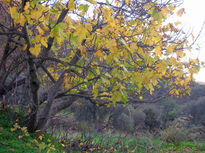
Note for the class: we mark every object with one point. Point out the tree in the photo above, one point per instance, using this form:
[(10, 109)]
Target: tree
[(100, 51)]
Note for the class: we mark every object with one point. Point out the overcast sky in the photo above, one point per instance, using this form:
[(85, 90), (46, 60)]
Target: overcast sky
[(193, 19)]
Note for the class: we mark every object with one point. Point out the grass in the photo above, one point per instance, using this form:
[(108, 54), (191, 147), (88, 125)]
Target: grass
[(15, 138), (186, 147), (115, 143)]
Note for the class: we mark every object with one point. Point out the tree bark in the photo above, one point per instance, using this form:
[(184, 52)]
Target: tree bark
[(34, 85), (63, 105), (43, 117)]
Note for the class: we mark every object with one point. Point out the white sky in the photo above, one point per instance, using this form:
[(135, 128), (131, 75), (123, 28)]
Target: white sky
[(193, 19)]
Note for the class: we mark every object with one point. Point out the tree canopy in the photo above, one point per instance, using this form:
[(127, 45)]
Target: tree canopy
[(108, 51)]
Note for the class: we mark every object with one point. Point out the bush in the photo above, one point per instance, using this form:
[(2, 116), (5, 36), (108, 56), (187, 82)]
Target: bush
[(196, 110), (138, 118), (127, 118), (170, 111), (86, 111), (85, 127), (173, 134), (202, 121), (150, 119), (124, 123), (83, 111)]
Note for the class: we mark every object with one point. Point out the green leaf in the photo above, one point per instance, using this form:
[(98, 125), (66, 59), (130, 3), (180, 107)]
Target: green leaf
[(107, 2), (83, 8), (155, 14), (92, 2)]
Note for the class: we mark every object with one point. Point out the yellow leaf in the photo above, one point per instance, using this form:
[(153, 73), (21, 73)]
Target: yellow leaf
[(13, 12), (52, 148), (66, 84), (24, 47), (158, 51), (20, 136), (108, 75), (13, 129), (71, 5), (99, 53), (82, 50), (182, 82), (24, 129), (40, 137), (35, 50), (127, 2), (35, 141), (81, 33), (26, 6), (79, 104), (95, 91), (177, 23), (117, 2), (21, 19), (180, 12), (177, 92), (108, 105), (40, 30), (7, 2), (44, 42), (37, 38), (171, 7), (151, 88), (37, 131), (36, 14), (81, 144), (140, 97), (59, 40), (164, 11), (171, 92)]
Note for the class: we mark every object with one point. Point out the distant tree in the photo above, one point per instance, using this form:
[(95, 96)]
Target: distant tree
[(150, 119), (92, 49)]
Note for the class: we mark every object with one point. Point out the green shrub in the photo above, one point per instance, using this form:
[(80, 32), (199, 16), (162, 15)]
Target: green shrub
[(86, 111), (174, 135), (124, 123), (84, 126), (138, 118), (196, 110), (150, 119), (170, 111), (127, 118)]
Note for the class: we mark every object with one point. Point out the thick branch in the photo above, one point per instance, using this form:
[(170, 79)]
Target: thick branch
[(50, 98), (45, 50), (64, 104)]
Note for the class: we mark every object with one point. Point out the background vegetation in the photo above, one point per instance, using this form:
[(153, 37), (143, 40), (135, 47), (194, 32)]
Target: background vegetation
[(92, 76)]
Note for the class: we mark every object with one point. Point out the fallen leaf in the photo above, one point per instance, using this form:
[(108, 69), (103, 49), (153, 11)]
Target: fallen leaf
[(12, 149)]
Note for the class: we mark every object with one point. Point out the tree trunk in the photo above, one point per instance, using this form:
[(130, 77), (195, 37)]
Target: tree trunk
[(33, 84), (43, 117)]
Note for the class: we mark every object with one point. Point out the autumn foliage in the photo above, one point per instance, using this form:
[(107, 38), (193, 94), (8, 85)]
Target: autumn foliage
[(105, 52)]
